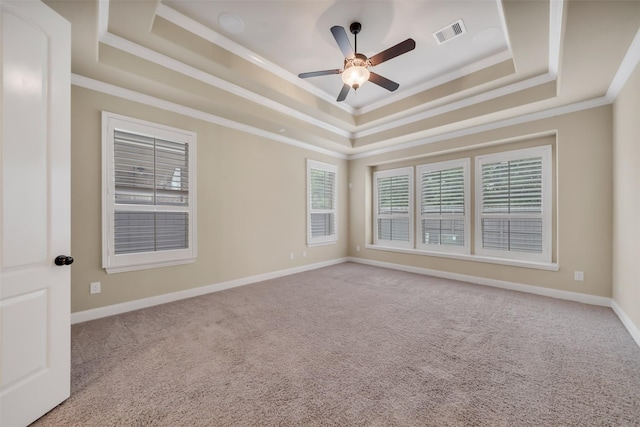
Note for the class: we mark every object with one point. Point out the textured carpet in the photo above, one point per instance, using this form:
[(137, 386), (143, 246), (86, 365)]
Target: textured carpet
[(355, 345)]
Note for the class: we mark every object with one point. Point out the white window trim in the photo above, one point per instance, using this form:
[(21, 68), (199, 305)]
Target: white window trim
[(385, 174), (545, 153), (129, 262), (474, 258), (439, 166), (324, 240)]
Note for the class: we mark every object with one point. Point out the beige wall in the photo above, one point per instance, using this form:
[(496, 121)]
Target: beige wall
[(238, 173), (251, 207), (626, 198), (583, 154)]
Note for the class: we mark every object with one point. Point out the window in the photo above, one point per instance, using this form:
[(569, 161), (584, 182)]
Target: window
[(148, 194), (443, 206), (393, 202), (513, 204), (322, 199), (495, 210)]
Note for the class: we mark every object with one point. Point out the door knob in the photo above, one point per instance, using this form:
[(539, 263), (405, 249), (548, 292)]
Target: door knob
[(63, 260)]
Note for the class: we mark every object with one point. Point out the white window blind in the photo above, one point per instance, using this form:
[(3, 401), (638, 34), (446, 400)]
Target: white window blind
[(150, 171), (393, 203), (515, 209), (443, 206), (322, 203), (149, 204)]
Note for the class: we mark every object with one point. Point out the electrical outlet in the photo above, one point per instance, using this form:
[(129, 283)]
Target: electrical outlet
[(304, 254), (291, 255), (95, 288), (358, 248), (578, 275)]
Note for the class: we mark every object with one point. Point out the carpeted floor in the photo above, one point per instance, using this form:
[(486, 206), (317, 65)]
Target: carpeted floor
[(355, 345)]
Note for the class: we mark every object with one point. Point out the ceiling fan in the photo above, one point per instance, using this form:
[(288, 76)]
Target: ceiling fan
[(356, 65)]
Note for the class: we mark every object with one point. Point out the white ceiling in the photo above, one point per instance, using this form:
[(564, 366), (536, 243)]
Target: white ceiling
[(519, 60), (295, 36)]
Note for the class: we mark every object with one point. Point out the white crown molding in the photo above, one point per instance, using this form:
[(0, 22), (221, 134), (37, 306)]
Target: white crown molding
[(180, 67), (218, 39), (152, 101), (456, 105), (208, 34), (202, 31), (556, 16), (551, 112), (170, 63), (628, 65), (477, 66), (437, 81), (348, 131), (109, 89), (110, 310), (555, 32), (103, 18)]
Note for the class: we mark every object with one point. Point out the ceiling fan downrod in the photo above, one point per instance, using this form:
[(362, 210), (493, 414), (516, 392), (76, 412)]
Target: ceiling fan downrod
[(355, 28)]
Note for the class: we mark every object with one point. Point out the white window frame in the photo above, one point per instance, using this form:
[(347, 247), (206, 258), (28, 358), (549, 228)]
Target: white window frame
[(435, 167), (333, 238), (545, 153), (408, 171), (111, 262)]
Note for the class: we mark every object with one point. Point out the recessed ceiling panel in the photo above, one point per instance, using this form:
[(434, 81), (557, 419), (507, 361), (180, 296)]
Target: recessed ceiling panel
[(296, 36)]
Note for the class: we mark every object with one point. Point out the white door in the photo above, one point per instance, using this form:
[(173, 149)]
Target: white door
[(34, 211)]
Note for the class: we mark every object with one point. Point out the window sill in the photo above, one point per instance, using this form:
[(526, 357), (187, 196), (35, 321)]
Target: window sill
[(475, 258), (146, 266), (312, 244)]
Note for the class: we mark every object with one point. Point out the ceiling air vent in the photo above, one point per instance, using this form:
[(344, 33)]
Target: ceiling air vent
[(450, 31)]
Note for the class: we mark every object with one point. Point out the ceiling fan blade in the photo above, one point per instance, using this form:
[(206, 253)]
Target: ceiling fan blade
[(383, 81), (343, 92), (343, 41), (318, 73), (392, 52)]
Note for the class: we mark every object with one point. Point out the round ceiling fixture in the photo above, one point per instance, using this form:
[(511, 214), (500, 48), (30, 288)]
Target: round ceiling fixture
[(231, 23)]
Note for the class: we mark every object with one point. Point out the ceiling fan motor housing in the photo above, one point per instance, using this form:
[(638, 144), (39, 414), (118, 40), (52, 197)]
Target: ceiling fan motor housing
[(359, 60)]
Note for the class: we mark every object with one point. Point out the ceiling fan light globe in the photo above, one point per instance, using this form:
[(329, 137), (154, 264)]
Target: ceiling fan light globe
[(355, 76)]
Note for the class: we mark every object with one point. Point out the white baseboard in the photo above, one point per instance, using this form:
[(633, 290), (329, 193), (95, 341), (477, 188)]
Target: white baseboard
[(553, 293), (626, 321), (97, 313)]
